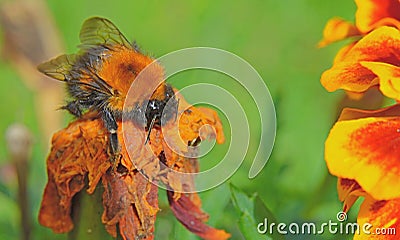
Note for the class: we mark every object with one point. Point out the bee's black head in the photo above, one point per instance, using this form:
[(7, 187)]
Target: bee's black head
[(158, 112)]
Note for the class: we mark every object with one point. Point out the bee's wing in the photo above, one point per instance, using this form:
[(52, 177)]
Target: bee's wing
[(58, 68), (100, 31)]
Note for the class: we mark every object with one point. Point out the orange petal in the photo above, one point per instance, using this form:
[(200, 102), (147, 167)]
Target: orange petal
[(381, 45), (349, 191), (192, 119), (367, 150), (389, 78), (374, 13), (337, 29), (379, 219), (355, 95), (343, 52), (351, 113), (190, 215)]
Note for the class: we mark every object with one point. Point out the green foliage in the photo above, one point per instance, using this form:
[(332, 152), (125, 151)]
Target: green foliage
[(245, 206)]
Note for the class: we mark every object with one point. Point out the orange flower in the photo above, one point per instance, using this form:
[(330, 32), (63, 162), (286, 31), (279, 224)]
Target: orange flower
[(130, 200), (364, 146), (378, 44), (352, 74), (363, 150)]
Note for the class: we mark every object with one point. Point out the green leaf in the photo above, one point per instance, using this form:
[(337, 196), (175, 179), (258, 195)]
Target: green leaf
[(262, 212), (247, 207), (248, 227), (242, 202)]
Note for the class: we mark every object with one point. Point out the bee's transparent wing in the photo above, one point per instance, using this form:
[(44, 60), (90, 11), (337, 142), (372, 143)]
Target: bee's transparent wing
[(98, 31), (58, 68)]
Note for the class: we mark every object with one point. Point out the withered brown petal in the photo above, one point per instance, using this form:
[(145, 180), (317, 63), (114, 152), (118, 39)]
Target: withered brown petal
[(75, 150), (51, 214), (131, 201), (192, 217)]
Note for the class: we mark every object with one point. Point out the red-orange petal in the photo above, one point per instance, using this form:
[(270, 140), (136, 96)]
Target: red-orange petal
[(379, 220), (373, 13), (349, 191), (191, 216), (381, 45), (367, 150), (337, 29), (389, 78)]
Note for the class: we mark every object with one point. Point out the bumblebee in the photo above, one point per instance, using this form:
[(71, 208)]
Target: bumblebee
[(99, 76)]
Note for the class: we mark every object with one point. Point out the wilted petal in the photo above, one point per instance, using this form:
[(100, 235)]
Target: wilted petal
[(52, 214), (374, 13), (389, 78), (116, 201), (77, 149), (384, 215), (381, 45), (192, 119), (337, 29), (141, 155), (367, 150), (130, 201), (179, 142), (191, 216)]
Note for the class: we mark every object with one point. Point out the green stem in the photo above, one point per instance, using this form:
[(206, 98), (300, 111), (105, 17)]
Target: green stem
[(86, 213)]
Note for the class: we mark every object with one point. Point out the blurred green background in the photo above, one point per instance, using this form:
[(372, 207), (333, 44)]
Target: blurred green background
[(278, 38)]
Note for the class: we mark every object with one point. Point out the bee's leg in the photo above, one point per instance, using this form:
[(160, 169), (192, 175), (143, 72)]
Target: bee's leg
[(112, 127), (73, 108), (150, 128)]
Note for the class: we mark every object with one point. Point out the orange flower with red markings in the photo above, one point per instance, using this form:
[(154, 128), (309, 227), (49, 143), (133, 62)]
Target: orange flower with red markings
[(367, 141), (124, 155), (377, 40), (363, 147), (363, 150)]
